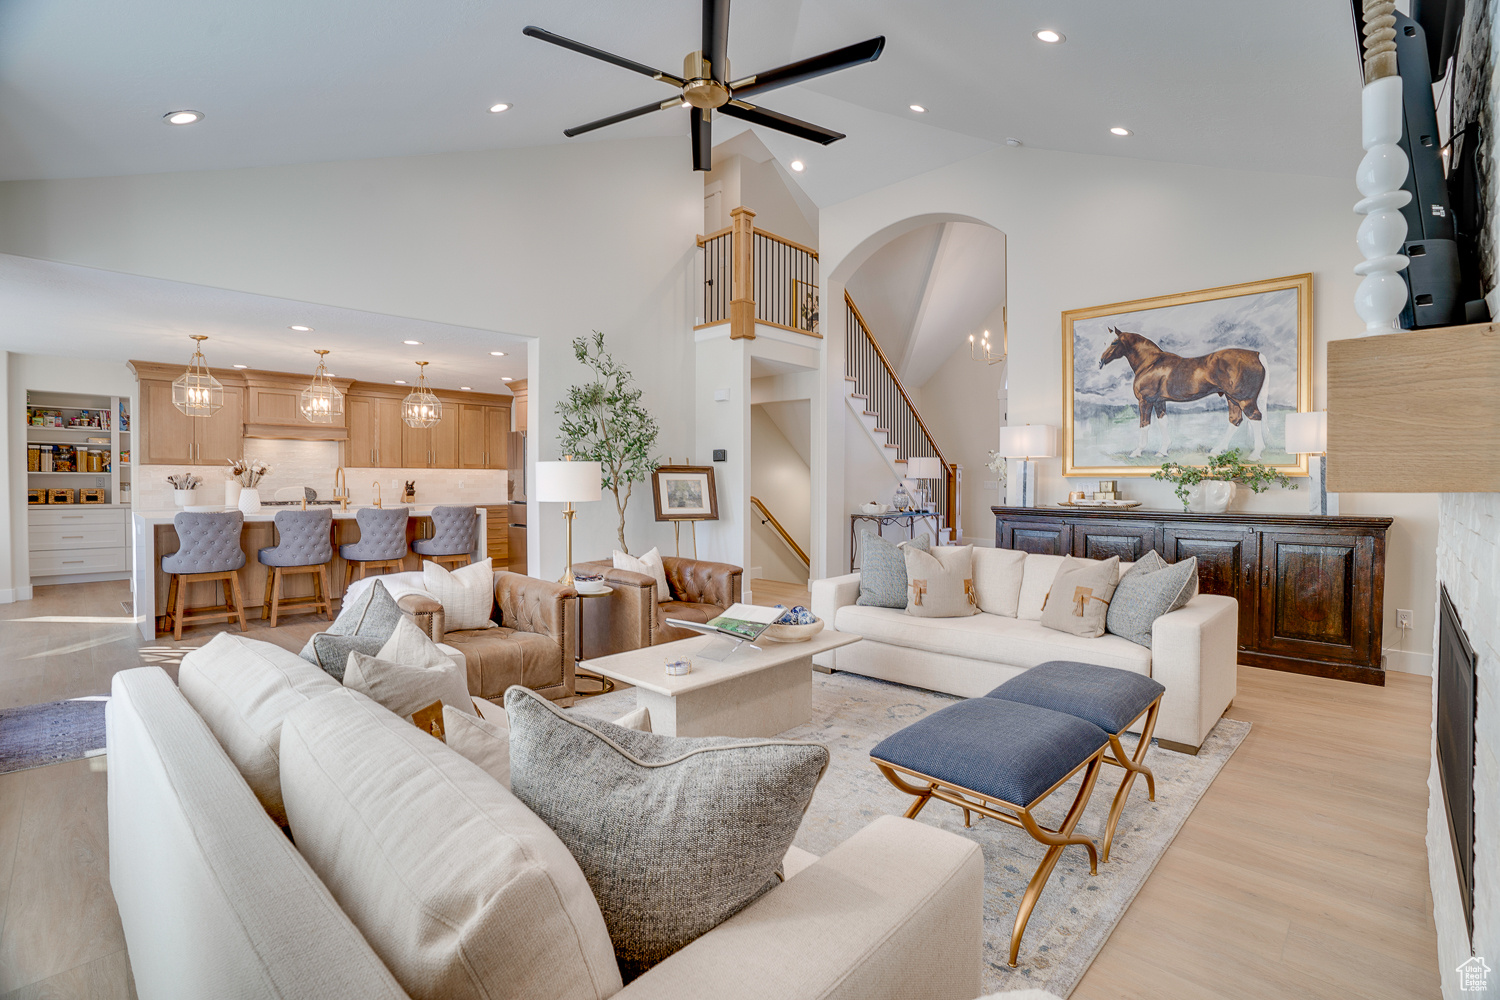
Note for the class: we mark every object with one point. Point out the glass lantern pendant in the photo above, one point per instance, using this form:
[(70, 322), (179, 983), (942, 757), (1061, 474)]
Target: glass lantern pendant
[(321, 401), (421, 408), (196, 392)]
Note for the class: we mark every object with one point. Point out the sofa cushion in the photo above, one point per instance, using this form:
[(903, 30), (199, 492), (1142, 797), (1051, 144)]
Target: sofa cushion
[(243, 689), (459, 888), (940, 582), (649, 564), (882, 570), (1037, 575), (991, 638), (496, 658), (997, 579), (364, 624), (1079, 598), (1152, 588), (485, 742), (674, 835)]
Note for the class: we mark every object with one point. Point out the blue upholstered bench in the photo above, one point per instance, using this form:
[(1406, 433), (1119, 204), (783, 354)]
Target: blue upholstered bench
[(1002, 754)]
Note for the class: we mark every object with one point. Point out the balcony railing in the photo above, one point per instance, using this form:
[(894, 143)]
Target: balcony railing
[(751, 276)]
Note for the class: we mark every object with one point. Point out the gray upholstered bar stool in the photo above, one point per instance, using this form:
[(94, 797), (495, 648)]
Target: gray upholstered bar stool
[(452, 541), (208, 550), (381, 545), (304, 545)]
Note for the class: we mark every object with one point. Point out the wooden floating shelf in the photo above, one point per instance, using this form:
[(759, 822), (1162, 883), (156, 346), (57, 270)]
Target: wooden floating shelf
[(1415, 412)]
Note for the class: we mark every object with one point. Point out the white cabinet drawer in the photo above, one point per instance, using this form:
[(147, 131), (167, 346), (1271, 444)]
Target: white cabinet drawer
[(62, 563), (45, 537), (72, 514)]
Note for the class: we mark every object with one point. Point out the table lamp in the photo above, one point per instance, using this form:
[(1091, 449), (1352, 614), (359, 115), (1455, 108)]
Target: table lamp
[(922, 468), (1028, 442), (1307, 434), (568, 482)]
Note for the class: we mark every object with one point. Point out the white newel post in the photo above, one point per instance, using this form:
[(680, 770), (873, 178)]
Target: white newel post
[(1382, 294)]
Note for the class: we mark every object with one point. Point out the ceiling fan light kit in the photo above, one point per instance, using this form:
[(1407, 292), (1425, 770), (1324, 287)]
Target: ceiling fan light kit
[(705, 85)]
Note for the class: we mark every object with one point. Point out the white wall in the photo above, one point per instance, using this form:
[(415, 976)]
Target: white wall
[(764, 187), (781, 480), (723, 366), (549, 242), (1086, 230)]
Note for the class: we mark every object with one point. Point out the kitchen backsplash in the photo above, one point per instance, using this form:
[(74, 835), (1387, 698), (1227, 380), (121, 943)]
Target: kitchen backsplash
[(312, 463)]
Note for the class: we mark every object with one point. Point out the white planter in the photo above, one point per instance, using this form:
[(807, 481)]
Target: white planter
[(232, 489), (183, 497), (1212, 496), (250, 500)]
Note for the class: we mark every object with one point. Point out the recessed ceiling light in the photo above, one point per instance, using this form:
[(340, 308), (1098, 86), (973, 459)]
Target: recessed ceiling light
[(239, 366), (301, 329), (182, 117), (497, 354), (495, 109), (917, 108), (467, 388), (1050, 37), (400, 381), (1117, 130), (412, 343), (505, 378), (798, 166)]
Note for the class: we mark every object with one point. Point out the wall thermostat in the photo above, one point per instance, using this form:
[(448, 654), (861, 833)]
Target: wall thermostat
[(721, 455)]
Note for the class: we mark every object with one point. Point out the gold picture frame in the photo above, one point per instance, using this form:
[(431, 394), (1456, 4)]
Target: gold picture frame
[(685, 493), (1213, 333), (805, 306)]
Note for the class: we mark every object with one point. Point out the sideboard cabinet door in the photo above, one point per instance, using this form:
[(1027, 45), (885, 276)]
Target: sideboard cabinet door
[(1038, 536), (1228, 564), (1103, 539), (1317, 599)]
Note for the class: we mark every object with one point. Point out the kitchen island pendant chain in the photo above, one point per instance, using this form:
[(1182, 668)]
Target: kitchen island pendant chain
[(421, 408), (196, 392)]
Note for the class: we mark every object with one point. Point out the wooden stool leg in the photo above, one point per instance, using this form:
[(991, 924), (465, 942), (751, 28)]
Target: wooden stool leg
[(171, 601), (182, 590), (239, 601), (277, 582), (265, 605), (323, 591)]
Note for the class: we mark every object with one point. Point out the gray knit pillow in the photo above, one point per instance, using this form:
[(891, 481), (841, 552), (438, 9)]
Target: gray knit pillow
[(882, 570), (361, 627), (674, 835), (1148, 590)]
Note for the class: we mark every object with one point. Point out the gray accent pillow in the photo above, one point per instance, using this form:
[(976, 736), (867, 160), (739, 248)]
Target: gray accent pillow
[(361, 627), (882, 570), (1148, 590), (675, 835), (1079, 599)]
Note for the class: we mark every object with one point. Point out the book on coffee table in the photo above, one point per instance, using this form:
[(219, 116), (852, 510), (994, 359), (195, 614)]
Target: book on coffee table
[(744, 622)]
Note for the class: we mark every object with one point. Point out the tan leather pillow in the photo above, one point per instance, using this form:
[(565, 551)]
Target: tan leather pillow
[(1079, 599)]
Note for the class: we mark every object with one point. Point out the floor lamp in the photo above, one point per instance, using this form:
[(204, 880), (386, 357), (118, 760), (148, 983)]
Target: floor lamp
[(1307, 434), (1028, 442), (568, 482)]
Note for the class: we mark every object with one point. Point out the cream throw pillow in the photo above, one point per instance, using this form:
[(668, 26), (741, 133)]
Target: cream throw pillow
[(1079, 599), (409, 673), (649, 564), (467, 594), (481, 740), (940, 582)]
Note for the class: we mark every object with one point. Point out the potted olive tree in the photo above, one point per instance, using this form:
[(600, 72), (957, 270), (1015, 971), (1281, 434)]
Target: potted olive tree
[(1210, 489)]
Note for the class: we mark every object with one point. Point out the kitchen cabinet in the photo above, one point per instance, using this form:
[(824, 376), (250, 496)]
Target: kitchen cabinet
[(434, 447), (521, 405), (483, 436), (376, 432), (170, 437)]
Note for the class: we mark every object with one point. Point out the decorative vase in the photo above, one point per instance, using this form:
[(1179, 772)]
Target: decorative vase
[(183, 497), (902, 500), (232, 490), (250, 500), (1212, 496)]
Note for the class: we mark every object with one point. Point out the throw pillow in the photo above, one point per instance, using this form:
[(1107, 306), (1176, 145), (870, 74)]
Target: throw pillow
[(882, 570), (406, 678), (940, 583), (363, 625), (467, 594), (997, 580), (674, 835), (479, 740), (650, 565), (1152, 588), (463, 892), (1079, 599)]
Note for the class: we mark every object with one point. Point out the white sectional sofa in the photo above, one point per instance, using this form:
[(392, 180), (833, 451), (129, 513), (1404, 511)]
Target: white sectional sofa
[(1193, 649)]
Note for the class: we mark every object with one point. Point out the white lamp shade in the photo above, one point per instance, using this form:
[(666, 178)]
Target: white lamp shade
[(1307, 433), (924, 467), (1028, 441), (568, 482)]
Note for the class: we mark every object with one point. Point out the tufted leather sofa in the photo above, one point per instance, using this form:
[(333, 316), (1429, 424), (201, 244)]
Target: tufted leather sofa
[(632, 617), (534, 645)]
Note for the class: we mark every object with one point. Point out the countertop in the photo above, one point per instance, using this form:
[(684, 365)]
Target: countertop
[(268, 514)]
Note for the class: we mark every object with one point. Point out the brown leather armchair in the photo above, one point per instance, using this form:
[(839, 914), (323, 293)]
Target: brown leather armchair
[(534, 645), (632, 618)]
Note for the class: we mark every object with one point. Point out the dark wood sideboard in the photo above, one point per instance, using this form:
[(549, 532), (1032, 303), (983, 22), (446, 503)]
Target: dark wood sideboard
[(1311, 588)]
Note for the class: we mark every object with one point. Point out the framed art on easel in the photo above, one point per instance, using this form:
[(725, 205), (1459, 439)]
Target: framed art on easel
[(684, 493)]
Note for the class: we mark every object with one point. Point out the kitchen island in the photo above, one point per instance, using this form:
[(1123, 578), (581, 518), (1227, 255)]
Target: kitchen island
[(154, 536)]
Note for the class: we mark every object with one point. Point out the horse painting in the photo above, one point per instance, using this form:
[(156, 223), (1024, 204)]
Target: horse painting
[(1161, 377)]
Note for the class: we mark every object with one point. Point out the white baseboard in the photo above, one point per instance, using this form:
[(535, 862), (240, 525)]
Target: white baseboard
[(1408, 663), (12, 595), (754, 573)]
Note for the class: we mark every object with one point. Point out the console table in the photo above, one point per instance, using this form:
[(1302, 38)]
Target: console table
[(1311, 588)]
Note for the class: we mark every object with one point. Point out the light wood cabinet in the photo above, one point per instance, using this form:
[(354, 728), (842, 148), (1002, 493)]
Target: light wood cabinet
[(375, 432), (434, 447), (359, 414), (521, 405), (496, 436), (482, 436), (170, 437), (388, 433)]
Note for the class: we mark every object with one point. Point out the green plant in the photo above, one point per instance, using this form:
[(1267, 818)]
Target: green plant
[(1227, 466), (603, 421)]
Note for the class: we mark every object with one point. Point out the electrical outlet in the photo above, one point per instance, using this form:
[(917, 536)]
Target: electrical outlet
[(1403, 618)]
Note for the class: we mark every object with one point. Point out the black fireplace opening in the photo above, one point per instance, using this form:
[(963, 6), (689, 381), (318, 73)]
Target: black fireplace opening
[(1457, 708)]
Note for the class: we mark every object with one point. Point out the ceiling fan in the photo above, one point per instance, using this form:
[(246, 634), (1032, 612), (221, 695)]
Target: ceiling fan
[(705, 84)]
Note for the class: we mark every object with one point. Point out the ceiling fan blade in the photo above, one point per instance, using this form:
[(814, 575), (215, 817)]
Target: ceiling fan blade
[(780, 122), (623, 116), (703, 143), (829, 62), (716, 37), (547, 36)]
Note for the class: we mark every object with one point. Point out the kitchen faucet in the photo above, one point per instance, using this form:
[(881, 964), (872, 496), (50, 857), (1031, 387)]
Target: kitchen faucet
[(376, 484), (339, 479)]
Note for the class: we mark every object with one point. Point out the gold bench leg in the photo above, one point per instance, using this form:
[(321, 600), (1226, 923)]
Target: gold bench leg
[(1062, 838), (1133, 766)]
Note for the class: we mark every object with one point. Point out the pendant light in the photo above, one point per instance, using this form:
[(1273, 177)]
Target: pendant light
[(196, 392), (321, 401), (421, 408)]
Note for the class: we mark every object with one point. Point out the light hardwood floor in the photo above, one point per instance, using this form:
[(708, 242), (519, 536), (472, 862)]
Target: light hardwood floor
[(1302, 872)]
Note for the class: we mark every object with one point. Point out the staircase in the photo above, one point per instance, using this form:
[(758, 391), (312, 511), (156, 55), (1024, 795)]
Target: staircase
[(880, 403)]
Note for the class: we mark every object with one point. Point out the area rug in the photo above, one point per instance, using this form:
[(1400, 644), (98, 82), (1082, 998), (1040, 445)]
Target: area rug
[(1077, 912), (52, 733)]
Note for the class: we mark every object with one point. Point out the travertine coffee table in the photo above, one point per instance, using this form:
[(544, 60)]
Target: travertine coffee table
[(753, 693)]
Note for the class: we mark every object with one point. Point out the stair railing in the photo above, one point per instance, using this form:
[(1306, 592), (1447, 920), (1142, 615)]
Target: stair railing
[(768, 518), (873, 379), (751, 276)]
